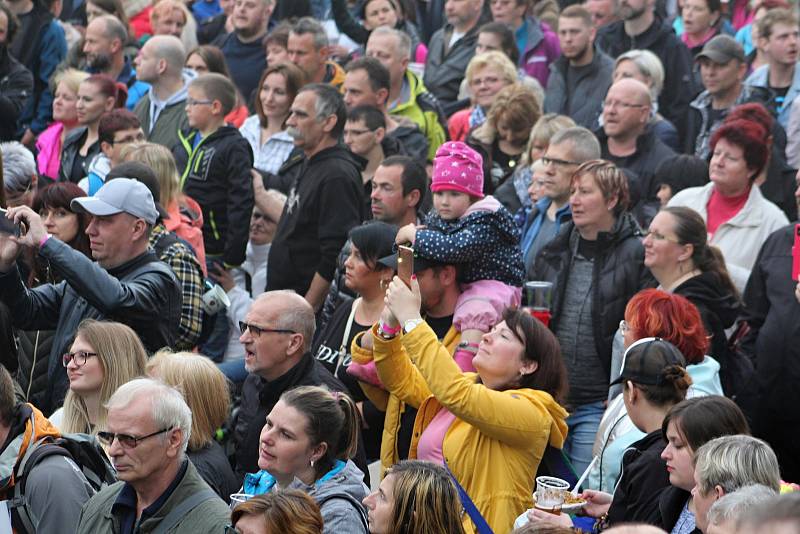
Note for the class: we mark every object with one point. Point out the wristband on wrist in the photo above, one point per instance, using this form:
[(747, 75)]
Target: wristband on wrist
[(44, 240), (389, 331)]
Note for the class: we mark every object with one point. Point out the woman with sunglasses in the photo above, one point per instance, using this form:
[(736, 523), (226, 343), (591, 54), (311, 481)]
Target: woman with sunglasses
[(103, 356)]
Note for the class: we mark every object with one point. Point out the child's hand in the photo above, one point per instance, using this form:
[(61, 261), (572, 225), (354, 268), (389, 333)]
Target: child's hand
[(406, 234)]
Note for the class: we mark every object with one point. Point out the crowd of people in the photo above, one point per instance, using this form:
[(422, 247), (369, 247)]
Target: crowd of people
[(209, 323)]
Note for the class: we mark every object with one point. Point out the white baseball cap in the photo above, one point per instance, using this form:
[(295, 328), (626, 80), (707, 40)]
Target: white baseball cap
[(121, 195)]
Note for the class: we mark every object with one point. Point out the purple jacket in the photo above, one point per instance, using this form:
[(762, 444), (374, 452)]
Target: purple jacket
[(542, 48)]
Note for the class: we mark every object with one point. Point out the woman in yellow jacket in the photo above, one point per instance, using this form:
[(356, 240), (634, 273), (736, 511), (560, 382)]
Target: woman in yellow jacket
[(491, 428)]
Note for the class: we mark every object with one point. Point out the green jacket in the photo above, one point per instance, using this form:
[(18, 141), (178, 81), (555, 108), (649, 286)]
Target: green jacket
[(208, 517), (170, 121), (423, 109)]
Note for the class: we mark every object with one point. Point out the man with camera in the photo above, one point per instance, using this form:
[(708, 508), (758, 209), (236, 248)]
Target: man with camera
[(126, 283)]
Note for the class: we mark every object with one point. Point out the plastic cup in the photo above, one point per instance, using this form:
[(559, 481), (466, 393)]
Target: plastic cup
[(239, 498), (550, 494)]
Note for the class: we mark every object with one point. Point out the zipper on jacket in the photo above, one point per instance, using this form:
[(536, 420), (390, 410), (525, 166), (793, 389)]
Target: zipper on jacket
[(192, 151)]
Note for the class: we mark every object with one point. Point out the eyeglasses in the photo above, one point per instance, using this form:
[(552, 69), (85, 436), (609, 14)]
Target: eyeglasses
[(193, 102), (129, 139), (623, 326), (546, 161), (623, 105), (489, 80), (355, 132), (257, 330), (79, 357), (659, 237), (127, 442)]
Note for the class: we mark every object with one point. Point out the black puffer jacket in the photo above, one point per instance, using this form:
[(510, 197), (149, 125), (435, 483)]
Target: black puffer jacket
[(34, 354), (16, 86), (619, 273)]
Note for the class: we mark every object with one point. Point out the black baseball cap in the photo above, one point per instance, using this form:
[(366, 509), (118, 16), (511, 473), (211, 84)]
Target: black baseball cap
[(420, 263), (645, 360)]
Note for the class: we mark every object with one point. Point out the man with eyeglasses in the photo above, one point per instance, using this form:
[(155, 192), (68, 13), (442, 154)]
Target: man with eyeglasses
[(276, 334), (628, 140), (126, 283), (567, 150), (116, 129), (146, 434), (54, 488)]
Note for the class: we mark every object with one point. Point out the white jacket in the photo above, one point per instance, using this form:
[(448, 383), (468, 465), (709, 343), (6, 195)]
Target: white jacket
[(741, 237)]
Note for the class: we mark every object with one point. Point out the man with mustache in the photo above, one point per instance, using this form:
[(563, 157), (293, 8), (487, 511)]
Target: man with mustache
[(325, 199)]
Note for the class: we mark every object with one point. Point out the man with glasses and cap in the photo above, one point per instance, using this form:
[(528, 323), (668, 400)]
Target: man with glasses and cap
[(126, 283), (159, 490), (276, 334)]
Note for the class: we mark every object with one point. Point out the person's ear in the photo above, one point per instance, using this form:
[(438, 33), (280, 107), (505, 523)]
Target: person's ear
[(111, 102), (633, 393), (296, 343), (383, 96), (380, 133), (405, 61), (161, 66), (139, 229), (687, 252), (413, 198), (611, 204), (329, 123), (174, 440), (107, 148), (324, 53), (719, 491), (528, 368), (319, 451)]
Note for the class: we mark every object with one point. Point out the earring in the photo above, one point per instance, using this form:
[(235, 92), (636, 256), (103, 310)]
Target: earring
[(312, 462), (384, 284)]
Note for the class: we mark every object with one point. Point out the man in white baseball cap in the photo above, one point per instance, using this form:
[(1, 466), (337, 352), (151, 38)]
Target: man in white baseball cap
[(127, 283)]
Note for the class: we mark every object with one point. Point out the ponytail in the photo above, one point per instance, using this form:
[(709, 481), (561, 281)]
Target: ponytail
[(712, 261), (109, 88), (333, 419)]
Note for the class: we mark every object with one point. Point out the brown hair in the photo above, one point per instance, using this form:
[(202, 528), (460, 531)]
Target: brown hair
[(332, 418), (8, 401), (701, 419), (216, 87), (771, 18), (294, 81), (576, 11), (516, 106), (290, 511), (541, 346), (609, 179)]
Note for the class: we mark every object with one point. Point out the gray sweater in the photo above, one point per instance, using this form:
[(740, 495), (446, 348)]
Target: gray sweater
[(340, 513)]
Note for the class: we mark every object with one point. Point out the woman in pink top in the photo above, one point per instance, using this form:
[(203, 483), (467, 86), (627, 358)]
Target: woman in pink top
[(65, 118)]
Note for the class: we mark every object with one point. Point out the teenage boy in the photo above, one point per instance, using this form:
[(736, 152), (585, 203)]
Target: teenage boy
[(214, 163)]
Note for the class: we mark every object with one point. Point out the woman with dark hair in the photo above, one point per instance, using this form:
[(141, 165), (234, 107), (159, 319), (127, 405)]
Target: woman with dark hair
[(209, 58), (489, 429), (677, 173), (737, 216), (654, 380), (368, 278), (97, 94), (287, 511), (52, 203), (651, 313), (266, 130), (595, 265), (306, 444), (415, 497)]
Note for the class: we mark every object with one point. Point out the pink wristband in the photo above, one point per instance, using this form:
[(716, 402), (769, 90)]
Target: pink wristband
[(388, 330), (44, 240)]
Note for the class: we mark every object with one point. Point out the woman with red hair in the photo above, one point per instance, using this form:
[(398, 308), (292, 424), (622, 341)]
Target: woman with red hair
[(652, 313), (737, 215)]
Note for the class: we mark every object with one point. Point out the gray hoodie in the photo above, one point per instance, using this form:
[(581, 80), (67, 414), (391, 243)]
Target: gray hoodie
[(340, 497), (161, 119)]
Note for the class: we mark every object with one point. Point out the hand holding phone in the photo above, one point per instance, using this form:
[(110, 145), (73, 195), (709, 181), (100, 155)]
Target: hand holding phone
[(8, 226), (405, 263)]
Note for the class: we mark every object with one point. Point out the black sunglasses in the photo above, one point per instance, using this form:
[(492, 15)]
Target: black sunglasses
[(128, 442), (257, 330)]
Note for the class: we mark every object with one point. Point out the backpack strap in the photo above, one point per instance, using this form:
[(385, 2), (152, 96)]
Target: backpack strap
[(184, 507), (481, 526), (352, 500)]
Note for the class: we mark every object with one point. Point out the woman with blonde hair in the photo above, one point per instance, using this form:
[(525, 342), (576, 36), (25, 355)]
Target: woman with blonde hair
[(502, 139), (65, 119), (171, 17), (415, 496), (205, 390), (103, 356), (185, 216), (290, 511)]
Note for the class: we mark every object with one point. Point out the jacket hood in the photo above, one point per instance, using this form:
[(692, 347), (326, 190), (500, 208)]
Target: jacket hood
[(707, 289), (340, 479), (558, 416), (187, 75), (28, 426), (657, 31), (337, 152), (624, 227), (705, 378)]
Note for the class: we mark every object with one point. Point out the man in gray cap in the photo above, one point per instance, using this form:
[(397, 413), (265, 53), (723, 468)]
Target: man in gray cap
[(127, 283), (723, 69)]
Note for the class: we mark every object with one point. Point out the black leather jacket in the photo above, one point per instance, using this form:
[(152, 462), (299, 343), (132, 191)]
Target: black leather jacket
[(142, 293)]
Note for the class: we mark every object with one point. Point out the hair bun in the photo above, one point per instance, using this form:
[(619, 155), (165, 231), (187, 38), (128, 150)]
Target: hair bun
[(678, 376)]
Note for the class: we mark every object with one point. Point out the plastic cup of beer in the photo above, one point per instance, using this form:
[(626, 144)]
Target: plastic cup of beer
[(239, 498), (549, 496)]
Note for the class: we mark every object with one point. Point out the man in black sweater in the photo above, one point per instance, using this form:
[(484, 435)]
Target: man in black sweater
[(325, 200)]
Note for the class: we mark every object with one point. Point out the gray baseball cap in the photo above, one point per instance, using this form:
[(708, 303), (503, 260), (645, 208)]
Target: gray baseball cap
[(721, 49), (121, 195)]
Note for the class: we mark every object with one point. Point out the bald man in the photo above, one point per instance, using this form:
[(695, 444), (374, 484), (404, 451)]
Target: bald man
[(162, 111), (628, 139), (276, 334)]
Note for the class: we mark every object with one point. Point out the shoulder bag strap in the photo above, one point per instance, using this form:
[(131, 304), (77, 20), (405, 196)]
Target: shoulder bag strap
[(177, 514), (481, 526)]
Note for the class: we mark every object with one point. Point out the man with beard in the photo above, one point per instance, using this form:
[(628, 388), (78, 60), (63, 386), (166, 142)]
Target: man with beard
[(640, 28), (325, 199), (582, 75), (104, 46), (242, 48)]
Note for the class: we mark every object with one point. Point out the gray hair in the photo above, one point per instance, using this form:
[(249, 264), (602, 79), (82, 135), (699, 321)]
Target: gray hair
[(734, 506), (329, 102), (783, 510), (169, 407), (736, 461), (19, 167), (170, 49), (584, 144), (296, 315), (310, 25), (113, 28), (403, 40), (649, 66)]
